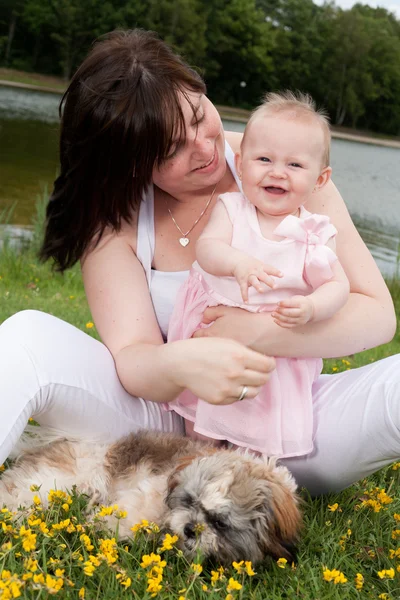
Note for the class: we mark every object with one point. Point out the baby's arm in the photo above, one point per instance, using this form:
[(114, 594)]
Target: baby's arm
[(322, 304), (215, 255)]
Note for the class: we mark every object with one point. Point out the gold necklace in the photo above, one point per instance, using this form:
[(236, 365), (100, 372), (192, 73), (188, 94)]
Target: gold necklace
[(184, 240)]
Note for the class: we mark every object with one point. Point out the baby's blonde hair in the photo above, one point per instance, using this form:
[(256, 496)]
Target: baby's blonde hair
[(300, 105)]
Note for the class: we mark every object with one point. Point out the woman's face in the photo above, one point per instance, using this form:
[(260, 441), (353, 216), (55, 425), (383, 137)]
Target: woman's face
[(198, 161)]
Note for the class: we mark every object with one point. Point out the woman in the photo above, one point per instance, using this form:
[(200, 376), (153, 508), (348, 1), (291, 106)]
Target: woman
[(143, 159)]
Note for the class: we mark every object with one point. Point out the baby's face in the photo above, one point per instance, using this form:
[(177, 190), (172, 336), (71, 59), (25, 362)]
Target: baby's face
[(281, 162)]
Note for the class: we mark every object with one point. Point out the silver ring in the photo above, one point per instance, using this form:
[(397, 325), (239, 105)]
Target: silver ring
[(243, 394)]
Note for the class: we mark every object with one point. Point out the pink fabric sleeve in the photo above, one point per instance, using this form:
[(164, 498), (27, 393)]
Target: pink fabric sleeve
[(231, 201)]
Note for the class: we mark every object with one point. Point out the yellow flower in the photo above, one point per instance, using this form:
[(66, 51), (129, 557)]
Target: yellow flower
[(39, 578), (168, 542), (154, 586), (61, 525), (124, 580), (88, 568), (148, 560), (146, 526), (29, 539), (89, 325), (233, 585), (333, 507), (196, 568), (395, 466), (36, 500), (396, 517), (244, 567), (281, 562), (346, 362), (86, 542), (334, 575), (53, 584), (31, 565), (384, 596), (386, 573), (81, 593), (204, 587), (2, 467), (108, 549), (359, 580)]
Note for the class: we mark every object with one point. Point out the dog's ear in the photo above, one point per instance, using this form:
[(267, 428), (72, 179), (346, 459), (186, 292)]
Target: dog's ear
[(173, 479), (279, 523)]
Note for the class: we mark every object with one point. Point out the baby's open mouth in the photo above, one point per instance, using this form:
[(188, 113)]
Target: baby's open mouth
[(271, 189)]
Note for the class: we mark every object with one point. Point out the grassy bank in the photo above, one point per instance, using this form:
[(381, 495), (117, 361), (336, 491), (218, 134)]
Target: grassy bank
[(58, 552)]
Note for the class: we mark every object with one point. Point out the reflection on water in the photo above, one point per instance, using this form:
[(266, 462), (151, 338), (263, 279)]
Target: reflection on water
[(367, 176)]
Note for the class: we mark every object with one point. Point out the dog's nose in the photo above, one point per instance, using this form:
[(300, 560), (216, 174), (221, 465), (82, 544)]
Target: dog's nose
[(189, 530)]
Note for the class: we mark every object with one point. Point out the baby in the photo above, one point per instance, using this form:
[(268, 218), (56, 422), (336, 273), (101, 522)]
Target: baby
[(263, 251)]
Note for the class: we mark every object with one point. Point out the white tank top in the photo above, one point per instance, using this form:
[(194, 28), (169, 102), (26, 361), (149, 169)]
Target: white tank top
[(163, 285)]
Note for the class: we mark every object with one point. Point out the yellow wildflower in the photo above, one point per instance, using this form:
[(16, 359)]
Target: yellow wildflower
[(233, 584), (81, 593), (204, 587), (36, 500), (88, 568), (196, 568), (61, 525), (396, 517), (31, 565), (384, 596), (39, 578), (359, 581), (334, 575), (386, 573), (29, 539), (85, 539), (89, 325), (154, 586), (168, 542), (148, 560), (2, 467), (146, 526), (333, 507), (281, 562), (124, 580), (244, 567), (53, 584), (395, 534), (108, 549), (395, 466)]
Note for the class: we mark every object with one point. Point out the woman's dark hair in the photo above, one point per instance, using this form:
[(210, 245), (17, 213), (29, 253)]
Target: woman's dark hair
[(120, 115)]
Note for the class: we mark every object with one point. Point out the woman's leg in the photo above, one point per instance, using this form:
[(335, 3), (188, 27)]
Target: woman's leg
[(356, 427), (66, 380)]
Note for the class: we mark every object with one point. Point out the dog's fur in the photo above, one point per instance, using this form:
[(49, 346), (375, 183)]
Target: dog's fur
[(247, 506)]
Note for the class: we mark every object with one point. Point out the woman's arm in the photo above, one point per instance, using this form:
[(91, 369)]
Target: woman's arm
[(367, 319), (122, 310)]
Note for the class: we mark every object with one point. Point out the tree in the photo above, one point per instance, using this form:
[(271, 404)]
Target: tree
[(239, 49)]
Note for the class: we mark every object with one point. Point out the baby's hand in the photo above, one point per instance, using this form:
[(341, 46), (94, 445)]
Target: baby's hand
[(250, 271), (296, 311)]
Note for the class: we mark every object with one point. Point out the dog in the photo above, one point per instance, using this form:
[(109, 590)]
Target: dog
[(229, 504)]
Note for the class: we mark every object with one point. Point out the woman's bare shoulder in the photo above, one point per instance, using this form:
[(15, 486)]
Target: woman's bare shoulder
[(234, 139)]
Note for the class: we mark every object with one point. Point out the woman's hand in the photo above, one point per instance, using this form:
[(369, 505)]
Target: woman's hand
[(216, 370)]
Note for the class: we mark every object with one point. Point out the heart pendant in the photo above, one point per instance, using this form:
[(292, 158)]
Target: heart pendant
[(184, 241)]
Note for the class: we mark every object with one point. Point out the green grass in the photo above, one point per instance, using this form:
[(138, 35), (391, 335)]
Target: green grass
[(353, 538), (47, 81)]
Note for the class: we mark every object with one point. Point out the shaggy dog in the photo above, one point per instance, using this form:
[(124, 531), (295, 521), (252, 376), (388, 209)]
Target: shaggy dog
[(229, 504)]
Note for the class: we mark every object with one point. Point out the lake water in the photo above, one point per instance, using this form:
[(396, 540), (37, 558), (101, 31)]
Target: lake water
[(367, 176)]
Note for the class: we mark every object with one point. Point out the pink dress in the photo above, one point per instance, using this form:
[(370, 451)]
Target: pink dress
[(279, 420)]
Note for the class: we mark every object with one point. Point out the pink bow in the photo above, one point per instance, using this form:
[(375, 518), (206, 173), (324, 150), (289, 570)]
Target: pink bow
[(314, 231)]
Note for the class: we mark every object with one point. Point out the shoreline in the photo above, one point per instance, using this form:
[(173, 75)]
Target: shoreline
[(239, 115)]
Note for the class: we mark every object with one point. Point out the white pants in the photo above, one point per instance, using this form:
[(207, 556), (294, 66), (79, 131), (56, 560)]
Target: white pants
[(65, 379)]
